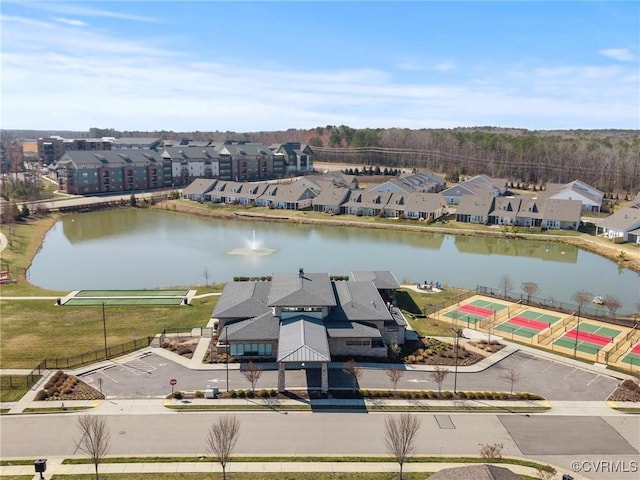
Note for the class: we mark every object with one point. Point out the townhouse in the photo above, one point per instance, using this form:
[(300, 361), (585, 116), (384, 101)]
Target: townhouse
[(478, 185), (623, 225)]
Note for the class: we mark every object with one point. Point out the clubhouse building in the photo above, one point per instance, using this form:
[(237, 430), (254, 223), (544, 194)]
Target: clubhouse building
[(305, 319)]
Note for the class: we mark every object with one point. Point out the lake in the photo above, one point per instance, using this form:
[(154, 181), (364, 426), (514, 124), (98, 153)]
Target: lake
[(146, 248)]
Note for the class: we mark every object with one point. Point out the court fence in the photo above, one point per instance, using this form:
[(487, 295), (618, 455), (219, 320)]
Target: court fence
[(586, 311)]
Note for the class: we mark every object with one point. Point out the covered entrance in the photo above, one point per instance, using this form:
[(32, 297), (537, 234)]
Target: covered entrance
[(303, 340)]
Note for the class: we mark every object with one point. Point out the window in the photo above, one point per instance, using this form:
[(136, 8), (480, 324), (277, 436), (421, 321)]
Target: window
[(358, 342), (251, 349)]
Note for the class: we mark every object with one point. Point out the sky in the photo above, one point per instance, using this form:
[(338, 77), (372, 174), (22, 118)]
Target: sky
[(261, 66)]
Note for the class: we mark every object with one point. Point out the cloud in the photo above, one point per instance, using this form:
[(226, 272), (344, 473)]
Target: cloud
[(68, 21), (619, 54), (56, 76)]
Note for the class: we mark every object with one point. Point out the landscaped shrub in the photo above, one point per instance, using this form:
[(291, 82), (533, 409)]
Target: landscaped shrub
[(199, 394), (233, 394), (177, 395), (41, 395), (264, 393), (273, 393), (242, 394), (462, 394)]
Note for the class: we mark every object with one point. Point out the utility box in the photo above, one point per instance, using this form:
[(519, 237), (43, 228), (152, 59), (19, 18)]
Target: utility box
[(40, 466), (211, 392)]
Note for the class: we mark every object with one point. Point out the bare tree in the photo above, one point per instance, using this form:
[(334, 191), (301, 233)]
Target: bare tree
[(206, 277), (491, 452), (530, 288), (438, 375), (395, 375), (506, 284), (400, 435), (353, 370), (252, 373), (511, 376), (222, 439), (95, 438), (581, 297), (612, 303)]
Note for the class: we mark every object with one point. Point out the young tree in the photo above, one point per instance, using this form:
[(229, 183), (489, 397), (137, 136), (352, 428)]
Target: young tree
[(252, 373), (612, 303), (395, 375), (353, 370), (511, 376), (506, 284), (581, 297), (491, 452), (95, 438), (546, 472), (400, 435), (438, 375), (222, 439), (530, 288)]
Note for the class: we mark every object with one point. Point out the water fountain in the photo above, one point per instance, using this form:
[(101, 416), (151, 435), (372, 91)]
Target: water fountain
[(252, 248)]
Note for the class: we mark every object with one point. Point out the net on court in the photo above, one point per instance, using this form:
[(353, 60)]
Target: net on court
[(587, 338), (633, 357), (528, 323)]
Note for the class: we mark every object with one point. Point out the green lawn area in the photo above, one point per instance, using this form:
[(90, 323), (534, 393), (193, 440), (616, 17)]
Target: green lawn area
[(412, 303)]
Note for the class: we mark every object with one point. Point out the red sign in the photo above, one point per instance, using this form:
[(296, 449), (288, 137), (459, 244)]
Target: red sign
[(173, 381)]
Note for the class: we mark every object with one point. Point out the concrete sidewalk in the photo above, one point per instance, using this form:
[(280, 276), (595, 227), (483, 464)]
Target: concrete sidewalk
[(55, 467)]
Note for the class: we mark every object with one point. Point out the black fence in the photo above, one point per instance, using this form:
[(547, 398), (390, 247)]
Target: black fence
[(431, 309), (93, 356), (586, 311), (18, 381)]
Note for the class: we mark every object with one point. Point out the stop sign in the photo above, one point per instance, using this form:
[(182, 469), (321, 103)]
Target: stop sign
[(173, 381)]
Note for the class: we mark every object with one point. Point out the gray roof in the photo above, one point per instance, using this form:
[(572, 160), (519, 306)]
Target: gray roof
[(476, 472), (199, 186), (424, 202), (623, 220), (301, 290), (359, 301), (303, 339), (363, 198), (293, 192), (110, 158), (333, 196), (562, 210), (260, 328), (475, 205), (242, 300), (177, 154), (352, 330), (382, 279)]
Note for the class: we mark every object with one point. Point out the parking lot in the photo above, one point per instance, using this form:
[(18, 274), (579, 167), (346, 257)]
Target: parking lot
[(147, 375)]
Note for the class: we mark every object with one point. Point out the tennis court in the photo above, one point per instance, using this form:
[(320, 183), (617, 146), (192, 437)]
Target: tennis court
[(528, 323), (633, 357), (588, 338), (475, 311)]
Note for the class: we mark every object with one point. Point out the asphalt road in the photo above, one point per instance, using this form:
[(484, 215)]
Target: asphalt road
[(559, 440)]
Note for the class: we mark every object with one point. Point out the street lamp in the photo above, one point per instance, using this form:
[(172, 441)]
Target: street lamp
[(575, 345), (458, 332), (226, 339), (104, 328)]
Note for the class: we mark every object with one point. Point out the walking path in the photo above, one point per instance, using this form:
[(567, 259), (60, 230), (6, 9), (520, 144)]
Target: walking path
[(55, 466)]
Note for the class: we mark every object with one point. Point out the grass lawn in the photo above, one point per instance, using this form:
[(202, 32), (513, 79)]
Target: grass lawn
[(34, 330), (13, 388), (413, 303)]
